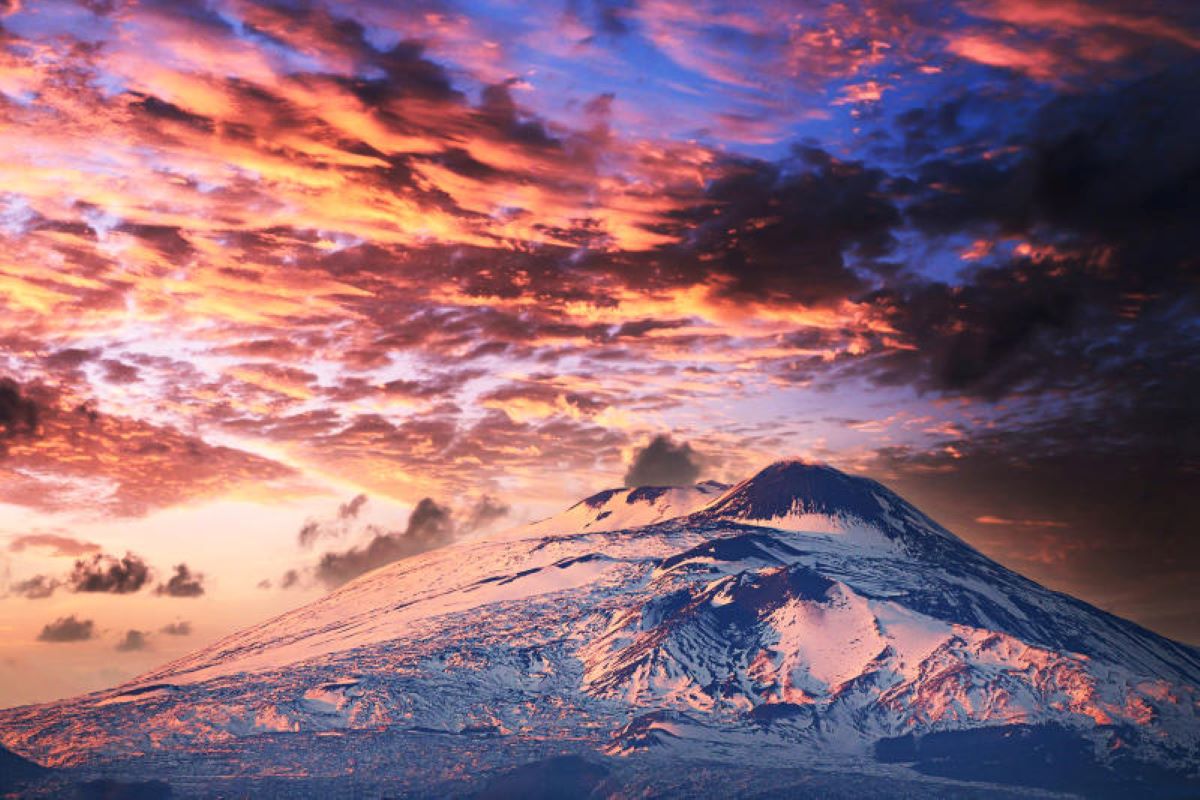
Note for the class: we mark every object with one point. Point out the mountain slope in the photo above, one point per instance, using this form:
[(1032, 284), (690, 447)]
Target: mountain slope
[(804, 617), (618, 509)]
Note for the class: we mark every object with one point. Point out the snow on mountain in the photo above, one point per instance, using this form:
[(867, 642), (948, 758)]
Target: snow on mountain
[(620, 509), (803, 617), (799, 497)]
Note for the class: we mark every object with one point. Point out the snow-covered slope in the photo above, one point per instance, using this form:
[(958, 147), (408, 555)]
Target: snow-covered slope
[(621, 509), (803, 618)]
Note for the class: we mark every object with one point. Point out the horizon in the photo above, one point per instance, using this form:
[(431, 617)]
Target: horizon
[(290, 292)]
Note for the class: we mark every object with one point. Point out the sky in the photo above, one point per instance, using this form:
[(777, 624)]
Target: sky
[(292, 289)]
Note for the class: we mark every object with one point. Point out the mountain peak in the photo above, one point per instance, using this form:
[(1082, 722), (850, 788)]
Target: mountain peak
[(791, 490)]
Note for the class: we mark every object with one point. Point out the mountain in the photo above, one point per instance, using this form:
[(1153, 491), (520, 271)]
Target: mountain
[(16, 771), (803, 633)]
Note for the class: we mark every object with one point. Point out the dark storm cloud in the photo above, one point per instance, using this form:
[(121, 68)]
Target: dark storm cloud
[(184, 583), (105, 573), (790, 230), (1117, 165), (151, 106), (38, 587), (180, 628), (408, 74), (662, 462), (67, 629), (1104, 187), (133, 640)]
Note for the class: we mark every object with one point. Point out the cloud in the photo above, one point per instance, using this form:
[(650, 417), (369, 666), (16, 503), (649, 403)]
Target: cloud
[(123, 466), (60, 545), (1089, 268), (662, 462), (1070, 40), (309, 533), (988, 519), (289, 579), (120, 373), (133, 640), (67, 629), (105, 573), (179, 628), (18, 414), (36, 588), (486, 512), (109, 574), (184, 583), (338, 526), (789, 230), (429, 526), (349, 510)]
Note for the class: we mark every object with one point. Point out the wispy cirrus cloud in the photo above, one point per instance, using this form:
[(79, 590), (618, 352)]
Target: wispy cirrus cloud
[(56, 544)]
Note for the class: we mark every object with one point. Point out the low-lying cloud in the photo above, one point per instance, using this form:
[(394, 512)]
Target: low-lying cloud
[(664, 463), (39, 587), (179, 628), (133, 640), (68, 629), (105, 573), (184, 583), (338, 526), (430, 526)]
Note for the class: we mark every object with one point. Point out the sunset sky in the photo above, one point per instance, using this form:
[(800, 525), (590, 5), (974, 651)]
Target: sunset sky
[(289, 289)]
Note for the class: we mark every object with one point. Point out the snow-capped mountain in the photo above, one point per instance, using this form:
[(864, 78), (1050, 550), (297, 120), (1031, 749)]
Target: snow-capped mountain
[(804, 627)]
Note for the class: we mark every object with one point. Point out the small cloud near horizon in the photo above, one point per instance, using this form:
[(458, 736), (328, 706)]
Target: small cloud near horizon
[(184, 583), (67, 629), (134, 640)]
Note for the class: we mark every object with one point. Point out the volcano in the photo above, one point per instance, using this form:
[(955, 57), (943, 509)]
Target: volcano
[(803, 633)]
